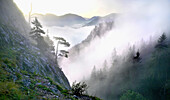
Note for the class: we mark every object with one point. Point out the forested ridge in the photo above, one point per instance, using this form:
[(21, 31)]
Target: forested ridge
[(144, 78)]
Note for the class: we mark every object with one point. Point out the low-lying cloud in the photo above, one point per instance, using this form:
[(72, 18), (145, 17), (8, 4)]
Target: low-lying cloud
[(72, 35), (140, 20)]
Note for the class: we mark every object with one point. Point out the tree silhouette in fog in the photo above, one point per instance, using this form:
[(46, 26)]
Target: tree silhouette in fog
[(61, 41), (137, 57), (161, 42)]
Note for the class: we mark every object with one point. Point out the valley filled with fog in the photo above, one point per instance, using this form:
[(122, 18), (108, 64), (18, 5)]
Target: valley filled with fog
[(73, 35), (106, 48), (129, 29)]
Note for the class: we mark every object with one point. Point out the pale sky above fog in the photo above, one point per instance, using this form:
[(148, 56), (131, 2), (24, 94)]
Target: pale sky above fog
[(86, 8)]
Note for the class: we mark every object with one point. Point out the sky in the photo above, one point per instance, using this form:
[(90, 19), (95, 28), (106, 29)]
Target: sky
[(85, 8)]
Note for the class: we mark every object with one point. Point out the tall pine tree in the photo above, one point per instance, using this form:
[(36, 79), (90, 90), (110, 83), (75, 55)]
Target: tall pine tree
[(36, 32)]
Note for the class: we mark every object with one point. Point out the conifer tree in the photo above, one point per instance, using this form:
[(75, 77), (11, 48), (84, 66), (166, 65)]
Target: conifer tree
[(36, 32), (161, 42), (93, 73)]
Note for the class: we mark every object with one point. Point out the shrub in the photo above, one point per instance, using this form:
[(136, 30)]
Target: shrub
[(79, 88)]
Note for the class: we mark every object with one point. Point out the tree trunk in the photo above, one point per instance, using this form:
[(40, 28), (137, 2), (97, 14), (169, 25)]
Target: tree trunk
[(30, 15)]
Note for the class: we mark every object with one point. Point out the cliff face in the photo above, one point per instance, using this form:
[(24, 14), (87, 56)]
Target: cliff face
[(11, 16), (16, 47)]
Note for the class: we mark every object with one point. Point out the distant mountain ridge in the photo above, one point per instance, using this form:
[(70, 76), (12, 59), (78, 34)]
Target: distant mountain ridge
[(72, 20), (65, 20), (98, 19)]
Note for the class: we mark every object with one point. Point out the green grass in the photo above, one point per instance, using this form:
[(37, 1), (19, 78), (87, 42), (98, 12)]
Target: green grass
[(50, 80), (44, 88), (4, 75), (8, 54), (18, 75), (60, 88), (11, 64), (19, 82), (10, 91), (24, 72)]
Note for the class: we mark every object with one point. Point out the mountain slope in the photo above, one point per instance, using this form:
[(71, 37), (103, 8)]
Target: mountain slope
[(73, 20), (26, 72), (99, 31), (18, 55), (29, 58)]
